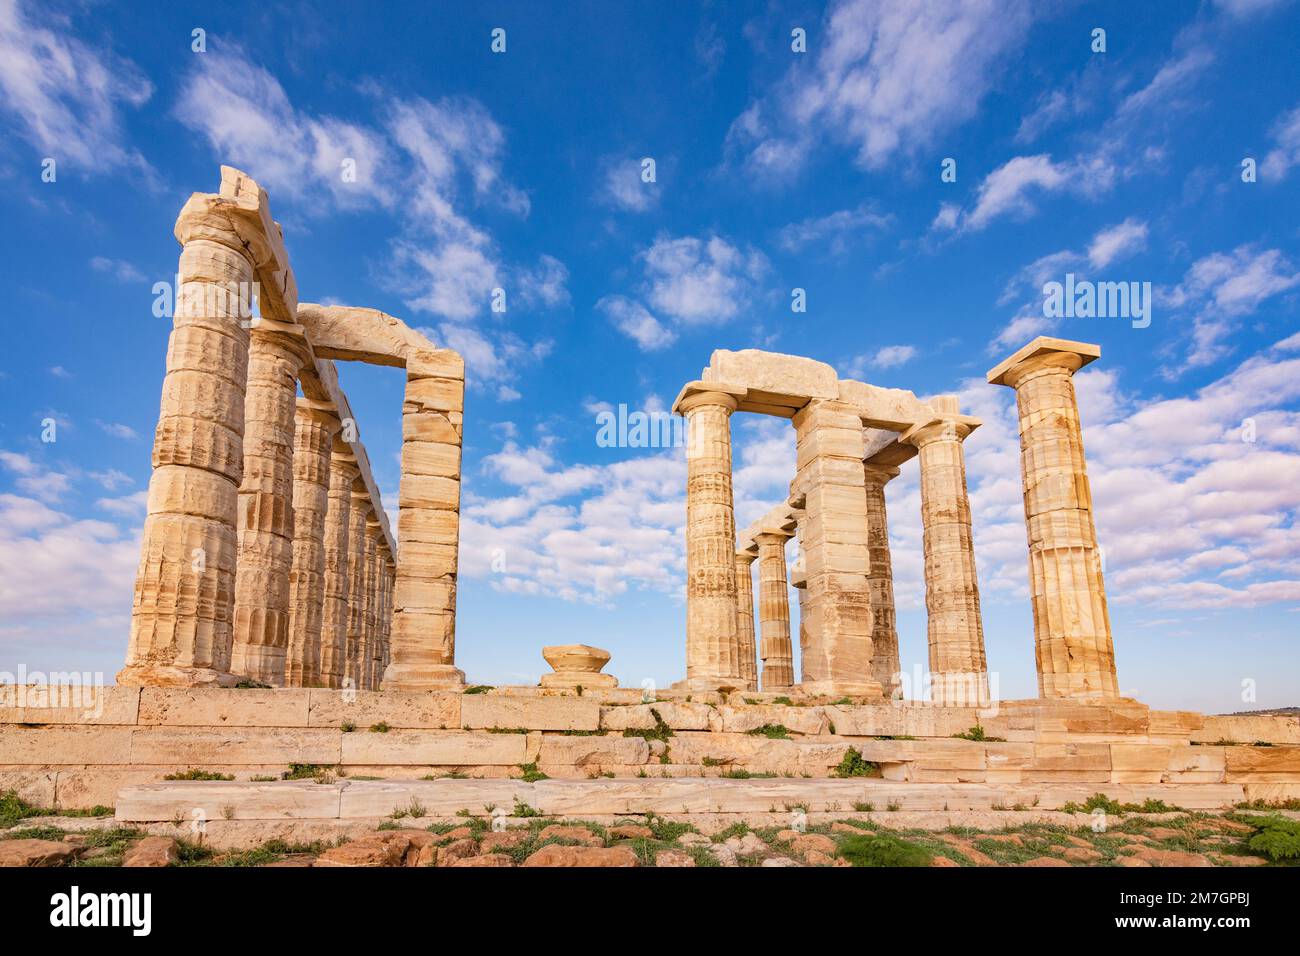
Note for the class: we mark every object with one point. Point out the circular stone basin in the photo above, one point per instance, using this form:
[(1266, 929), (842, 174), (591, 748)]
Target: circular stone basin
[(579, 658)]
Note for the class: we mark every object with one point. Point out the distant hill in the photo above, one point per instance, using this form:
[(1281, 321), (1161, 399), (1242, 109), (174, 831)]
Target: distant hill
[(1273, 712)]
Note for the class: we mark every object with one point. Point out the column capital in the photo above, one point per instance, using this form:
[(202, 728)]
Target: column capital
[(945, 428), (879, 474), (322, 413), (286, 335), (747, 555), (694, 394), (216, 219), (1043, 352)]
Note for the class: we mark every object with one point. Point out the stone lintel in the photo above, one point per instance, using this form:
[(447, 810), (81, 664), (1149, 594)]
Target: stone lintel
[(277, 287), (361, 335), (691, 389), (1043, 345)]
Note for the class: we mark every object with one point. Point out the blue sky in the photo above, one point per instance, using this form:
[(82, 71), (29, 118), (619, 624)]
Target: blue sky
[(774, 170)]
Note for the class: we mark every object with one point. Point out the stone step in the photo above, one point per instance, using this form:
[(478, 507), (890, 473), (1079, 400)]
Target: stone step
[(376, 800)]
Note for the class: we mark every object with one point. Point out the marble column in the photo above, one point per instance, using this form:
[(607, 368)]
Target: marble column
[(958, 672), (338, 565), (774, 612), (277, 352), (745, 617), (1073, 643), (185, 584), (712, 645), (358, 582), (885, 666), (837, 657), (422, 647), (373, 591), (317, 424)]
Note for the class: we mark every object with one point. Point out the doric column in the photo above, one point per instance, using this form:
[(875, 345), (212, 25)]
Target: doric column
[(358, 582), (774, 612), (313, 437), (374, 589), (276, 354), (185, 583), (384, 623), (338, 590), (745, 616), (836, 658), (423, 642), (712, 648), (1073, 644), (958, 672), (885, 667)]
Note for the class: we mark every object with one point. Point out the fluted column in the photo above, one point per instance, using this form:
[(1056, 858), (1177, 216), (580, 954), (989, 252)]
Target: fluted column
[(313, 437), (836, 658), (885, 666), (958, 672), (423, 643), (1073, 643), (745, 617), (185, 584), (712, 647), (774, 612), (358, 582), (338, 591), (373, 591)]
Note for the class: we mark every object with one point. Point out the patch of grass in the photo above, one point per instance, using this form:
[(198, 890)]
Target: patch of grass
[(1292, 803), (1278, 839), (771, 732), (478, 689), (252, 685), (667, 832), (199, 775), (881, 849), (304, 771), (735, 830), (842, 702), (660, 731), (347, 726), (740, 774), (784, 701), (1099, 801), (531, 773), (524, 810), (583, 733), (113, 841), (866, 807), (379, 728), (893, 806), (262, 778), (977, 733), (854, 765), (507, 730), (414, 809), (14, 808)]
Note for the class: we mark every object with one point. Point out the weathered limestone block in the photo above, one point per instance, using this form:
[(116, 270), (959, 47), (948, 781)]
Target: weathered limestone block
[(434, 748), (958, 670), (422, 642), (677, 715), (233, 746), (1261, 764), (541, 713), (1074, 648), (712, 645), (885, 667), (429, 711), (68, 704), (290, 799), (314, 431), (836, 645), (587, 751), (180, 707), (338, 567), (185, 587), (63, 744), (277, 353), (1247, 729), (800, 720), (745, 618)]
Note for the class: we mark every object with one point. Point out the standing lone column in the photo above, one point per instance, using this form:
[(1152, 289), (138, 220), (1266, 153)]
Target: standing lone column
[(184, 586), (358, 582), (774, 612), (712, 646), (836, 658), (313, 437), (885, 666), (338, 522), (276, 354), (958, 672), (1073, 644), (745, 617), (423, 642)]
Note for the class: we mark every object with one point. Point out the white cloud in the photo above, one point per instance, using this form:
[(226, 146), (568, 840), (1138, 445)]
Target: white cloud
[(888, 77), (493, 359), (118, 430), (635, 321), (1172, 80), (838, 229), (1116, 242), (1286, 154), (1007, 191), (34, 478), (699, 281), (119, 269), (64, 96), (622, 186), (887, 356)]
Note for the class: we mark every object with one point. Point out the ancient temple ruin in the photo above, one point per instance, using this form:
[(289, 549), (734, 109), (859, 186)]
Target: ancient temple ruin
[(267, 555)]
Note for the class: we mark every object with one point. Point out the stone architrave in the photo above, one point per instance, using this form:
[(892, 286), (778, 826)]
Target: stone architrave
[(277, 353), (745, 616), (338, 566), (837, 656), (712, 645), (774, 611), (181, 617), (885, 665), (958, 672), (1073, 643), (317, 424)]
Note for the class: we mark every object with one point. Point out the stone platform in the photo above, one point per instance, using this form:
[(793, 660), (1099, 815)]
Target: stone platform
[(680, 750)]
